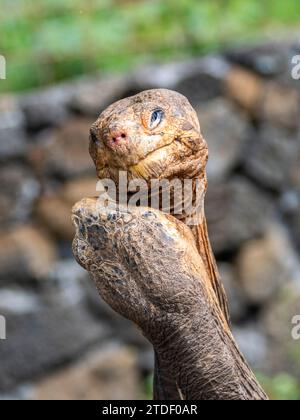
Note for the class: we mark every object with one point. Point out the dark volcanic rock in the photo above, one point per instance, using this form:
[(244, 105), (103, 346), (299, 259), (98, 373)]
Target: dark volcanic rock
[(64, 151), (43, 339), (226, 131), (199, 79), (267, 60), (93, 96), (273, 157), (206, 82), (18, 191), (47, 107), (236, 212)]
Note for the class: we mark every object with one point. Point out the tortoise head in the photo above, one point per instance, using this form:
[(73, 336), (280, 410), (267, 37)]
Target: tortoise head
[(154, 134)]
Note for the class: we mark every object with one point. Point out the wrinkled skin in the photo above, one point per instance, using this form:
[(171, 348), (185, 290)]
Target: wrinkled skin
[(172, 148), (129, 253), (124, 138)]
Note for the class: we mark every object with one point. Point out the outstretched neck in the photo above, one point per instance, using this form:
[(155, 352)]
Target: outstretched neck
[(200, 233), (198, 225), (204, 360)]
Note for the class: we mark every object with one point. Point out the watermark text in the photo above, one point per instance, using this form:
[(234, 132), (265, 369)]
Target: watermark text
[(2, 328), (296, 327), (2, 67), (296, 67)]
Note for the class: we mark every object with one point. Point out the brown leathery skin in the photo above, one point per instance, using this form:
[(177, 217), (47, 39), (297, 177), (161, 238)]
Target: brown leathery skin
[(175, 148), (146, 266)]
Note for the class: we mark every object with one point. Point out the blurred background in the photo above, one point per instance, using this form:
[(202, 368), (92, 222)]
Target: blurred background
[(66, 61)]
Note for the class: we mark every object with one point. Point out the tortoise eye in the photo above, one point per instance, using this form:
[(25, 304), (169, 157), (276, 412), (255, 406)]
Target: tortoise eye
[(156, 118)]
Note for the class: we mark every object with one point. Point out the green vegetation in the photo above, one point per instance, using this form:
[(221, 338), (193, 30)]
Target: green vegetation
[(45, 41), (281, 387)]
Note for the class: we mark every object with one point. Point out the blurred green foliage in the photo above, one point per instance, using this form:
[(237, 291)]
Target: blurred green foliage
[(45, 41), (281, 387)]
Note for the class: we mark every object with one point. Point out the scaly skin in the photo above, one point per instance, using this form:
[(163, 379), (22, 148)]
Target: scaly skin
[(173, 149), (146, 266)]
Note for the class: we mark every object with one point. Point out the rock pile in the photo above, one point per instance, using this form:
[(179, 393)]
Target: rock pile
[(57, 328)]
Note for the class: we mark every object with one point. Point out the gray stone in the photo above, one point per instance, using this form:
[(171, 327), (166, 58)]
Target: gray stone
[(264, 265), (12, 129), (226, 131), (18, 301), (26, 254), (236, 212), (63, 152), (198, 79), (107, 373), (280, 105), (47, 107), (206, 82), (273, 156), (95, 94), (18, 191), (290, 206), (267, 59), (43, 339)]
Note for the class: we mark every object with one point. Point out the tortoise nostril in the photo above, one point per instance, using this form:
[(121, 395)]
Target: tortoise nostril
[(118, 137)]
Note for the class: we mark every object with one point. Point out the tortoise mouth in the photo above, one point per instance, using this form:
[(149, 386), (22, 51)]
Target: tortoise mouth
[(155, 156)]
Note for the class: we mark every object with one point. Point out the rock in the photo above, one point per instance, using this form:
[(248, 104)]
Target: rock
[(205, 82), (45, 339), (236, 299), (106, 374), (289, 204), (12, 129), (280, 105), (47, 107), (64, 153), (266, 60), (264, 265), (198, 79), (18, 191), (273, 157), (253, 344), (23, 392), (94, 95), (266, 101), (236, 212), (53, 211), (18, 301), (245, 88), (26, 253), (74, 190), (225, 130)]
